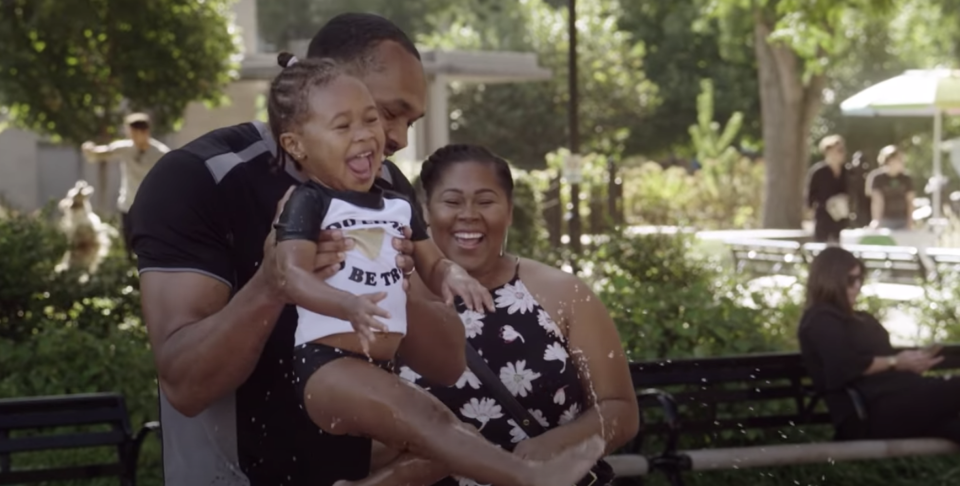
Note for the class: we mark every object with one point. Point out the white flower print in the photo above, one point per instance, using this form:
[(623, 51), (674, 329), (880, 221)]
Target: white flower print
[(515, 298), (556, 352), (517, 434), (468, 378), (547, 324), (472, 323), (570, 414), (482, 411), (517, 378), (538, 415), (560, 397), (509, 334), (407, 374), (468, 482)]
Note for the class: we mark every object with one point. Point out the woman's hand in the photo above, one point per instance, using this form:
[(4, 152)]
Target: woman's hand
[(916, 361)]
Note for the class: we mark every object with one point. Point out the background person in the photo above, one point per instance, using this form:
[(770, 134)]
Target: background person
[(137, 154), (843, 347), (891, 191), (827, 194)]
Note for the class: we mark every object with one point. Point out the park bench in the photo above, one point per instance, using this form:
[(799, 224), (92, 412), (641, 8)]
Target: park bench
[(889, 264), (89, 421), (688, 405), (945, 261), (761, 257)]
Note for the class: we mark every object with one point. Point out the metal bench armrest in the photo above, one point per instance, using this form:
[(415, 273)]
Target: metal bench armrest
[(133, 450), (669, 406), (859, 404)]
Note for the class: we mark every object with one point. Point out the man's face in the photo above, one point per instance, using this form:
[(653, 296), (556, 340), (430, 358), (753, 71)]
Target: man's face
[(140, 137), (399, 88), (836, 154)]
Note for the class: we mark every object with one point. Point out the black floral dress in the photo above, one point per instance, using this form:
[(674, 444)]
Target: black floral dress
[(526, 348)]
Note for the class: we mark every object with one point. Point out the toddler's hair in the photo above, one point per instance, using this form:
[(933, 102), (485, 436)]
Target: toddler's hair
[(287, 105)]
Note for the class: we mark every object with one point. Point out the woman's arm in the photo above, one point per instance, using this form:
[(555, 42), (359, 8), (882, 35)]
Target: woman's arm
[(596, 348)]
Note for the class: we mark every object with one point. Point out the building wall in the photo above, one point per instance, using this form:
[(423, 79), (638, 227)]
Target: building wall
[(18, 173)]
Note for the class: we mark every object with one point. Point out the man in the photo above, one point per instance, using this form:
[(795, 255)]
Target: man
[(137, 154), (827, 194), (221, 333), (890, 191)]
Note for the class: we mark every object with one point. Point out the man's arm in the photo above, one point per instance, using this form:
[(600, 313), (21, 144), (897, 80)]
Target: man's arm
[(204, 343), (876, 206), (101, 153)]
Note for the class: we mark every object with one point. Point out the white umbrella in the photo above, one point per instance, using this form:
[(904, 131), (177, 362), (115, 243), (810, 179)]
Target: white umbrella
[(926, 93)]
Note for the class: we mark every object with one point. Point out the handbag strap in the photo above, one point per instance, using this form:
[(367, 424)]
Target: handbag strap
[(524, 419)]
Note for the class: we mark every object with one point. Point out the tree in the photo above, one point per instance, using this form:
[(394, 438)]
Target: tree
[(681, 48), (526, 121), (795, 42), (282, 21), (70, 69)]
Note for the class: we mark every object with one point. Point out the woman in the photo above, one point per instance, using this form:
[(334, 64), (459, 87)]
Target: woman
[(550, 340), (843, 348)]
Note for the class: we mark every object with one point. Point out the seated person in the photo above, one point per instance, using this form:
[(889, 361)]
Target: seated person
[(891, 191), (326, 121), (843, 348)]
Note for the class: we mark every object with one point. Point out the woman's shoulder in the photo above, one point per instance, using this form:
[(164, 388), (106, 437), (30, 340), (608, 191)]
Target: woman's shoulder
[(545, 277), (819, 315)]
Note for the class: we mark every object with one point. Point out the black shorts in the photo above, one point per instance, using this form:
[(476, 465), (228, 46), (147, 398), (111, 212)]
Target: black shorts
[(310, 357)]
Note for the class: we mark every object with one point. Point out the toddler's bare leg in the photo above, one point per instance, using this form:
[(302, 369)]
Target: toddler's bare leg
[(351, 396)]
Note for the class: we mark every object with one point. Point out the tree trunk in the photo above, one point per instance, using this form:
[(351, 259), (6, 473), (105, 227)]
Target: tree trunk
[(788, 106)]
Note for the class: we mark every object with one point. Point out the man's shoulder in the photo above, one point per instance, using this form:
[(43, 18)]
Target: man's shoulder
[(232, 139), (221, 151), (159, 146), (818, 167)]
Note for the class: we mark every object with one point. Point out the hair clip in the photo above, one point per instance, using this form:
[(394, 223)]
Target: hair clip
[(293, 60)]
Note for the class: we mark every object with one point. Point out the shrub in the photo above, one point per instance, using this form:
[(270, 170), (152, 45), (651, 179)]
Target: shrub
[(668, 302), (60, 336)]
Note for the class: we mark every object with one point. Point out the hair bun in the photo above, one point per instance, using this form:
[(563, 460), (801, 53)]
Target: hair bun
[(286, 59)]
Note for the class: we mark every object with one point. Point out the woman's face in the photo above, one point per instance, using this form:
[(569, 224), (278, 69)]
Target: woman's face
[(469, 214), (854, 282)]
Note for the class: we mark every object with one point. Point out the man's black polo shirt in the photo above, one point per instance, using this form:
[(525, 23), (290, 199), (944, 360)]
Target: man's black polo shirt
[(207, 208)]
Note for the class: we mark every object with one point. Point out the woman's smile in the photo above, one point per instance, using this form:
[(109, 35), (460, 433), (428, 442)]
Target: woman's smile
[(468, 240)]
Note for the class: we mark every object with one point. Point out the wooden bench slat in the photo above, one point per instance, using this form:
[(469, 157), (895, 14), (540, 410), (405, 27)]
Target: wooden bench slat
[(85, 401), (68, 441), (61, 474), (32, 420)]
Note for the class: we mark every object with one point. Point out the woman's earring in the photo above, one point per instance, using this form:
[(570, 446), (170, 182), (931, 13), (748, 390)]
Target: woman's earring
[(504, 245)]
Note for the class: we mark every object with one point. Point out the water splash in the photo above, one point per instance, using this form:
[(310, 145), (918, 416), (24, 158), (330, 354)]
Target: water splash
[(582, 361)]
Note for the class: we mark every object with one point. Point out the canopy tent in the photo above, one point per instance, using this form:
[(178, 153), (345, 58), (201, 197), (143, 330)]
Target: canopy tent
[(915, 93)]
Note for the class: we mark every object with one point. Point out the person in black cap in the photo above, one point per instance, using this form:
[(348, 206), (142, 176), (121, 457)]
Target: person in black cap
[(136, 154), (826, 191), (221, 331)]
